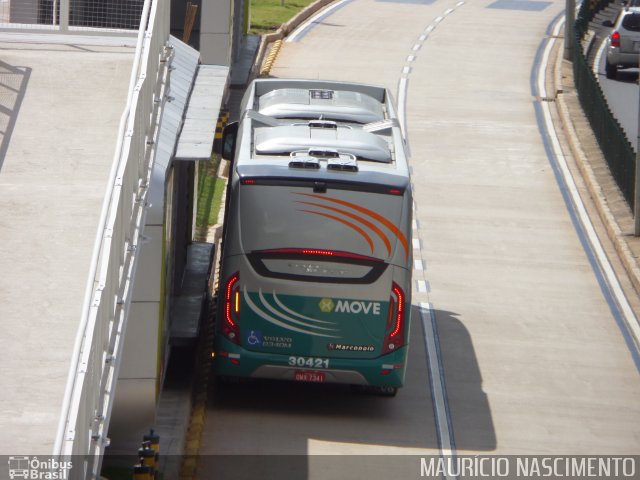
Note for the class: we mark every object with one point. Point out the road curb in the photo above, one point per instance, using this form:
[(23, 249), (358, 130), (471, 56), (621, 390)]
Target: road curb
[(259, 66), (268, 62)]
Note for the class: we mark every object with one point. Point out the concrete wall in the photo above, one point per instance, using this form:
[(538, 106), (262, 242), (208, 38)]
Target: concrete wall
[(216, 32), (146, 345), (138, 381), (24, 11)]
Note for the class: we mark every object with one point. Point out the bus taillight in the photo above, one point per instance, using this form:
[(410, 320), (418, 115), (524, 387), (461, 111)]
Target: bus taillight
[(394, 338), (231, 309)]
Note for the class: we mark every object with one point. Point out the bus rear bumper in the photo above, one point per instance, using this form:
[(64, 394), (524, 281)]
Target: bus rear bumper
[(234, 361)]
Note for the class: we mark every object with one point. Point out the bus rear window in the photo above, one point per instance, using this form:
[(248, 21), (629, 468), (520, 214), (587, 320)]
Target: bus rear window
[(312, 265), (362, 224)]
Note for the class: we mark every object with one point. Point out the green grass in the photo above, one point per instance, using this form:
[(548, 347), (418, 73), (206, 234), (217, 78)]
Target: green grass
[(268, 15), (210, 192)]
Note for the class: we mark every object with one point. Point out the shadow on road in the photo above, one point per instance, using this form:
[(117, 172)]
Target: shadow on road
[(627, 76), (287, 430), (470, 412), (13, 86)]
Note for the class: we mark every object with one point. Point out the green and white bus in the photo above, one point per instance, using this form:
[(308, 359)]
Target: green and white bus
[(315, 277)]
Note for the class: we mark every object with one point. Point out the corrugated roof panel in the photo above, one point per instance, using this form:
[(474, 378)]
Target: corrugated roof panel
[(184, 63), (196, 138)]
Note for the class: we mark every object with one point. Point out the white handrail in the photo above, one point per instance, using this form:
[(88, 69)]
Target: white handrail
[(89, 353)]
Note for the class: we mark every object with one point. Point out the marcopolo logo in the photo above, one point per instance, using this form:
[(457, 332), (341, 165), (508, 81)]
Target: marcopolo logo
[(327, 305), (350, 348), (34, 468)]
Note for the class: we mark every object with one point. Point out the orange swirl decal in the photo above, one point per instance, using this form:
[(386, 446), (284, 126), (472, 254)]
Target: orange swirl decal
[(347, 223), (370, 213), (355, 217)]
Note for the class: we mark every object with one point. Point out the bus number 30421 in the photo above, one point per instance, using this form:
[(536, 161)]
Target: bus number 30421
[(309, 362)]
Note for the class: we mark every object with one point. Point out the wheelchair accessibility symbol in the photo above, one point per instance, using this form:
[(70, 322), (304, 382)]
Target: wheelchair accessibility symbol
[(255, 338)]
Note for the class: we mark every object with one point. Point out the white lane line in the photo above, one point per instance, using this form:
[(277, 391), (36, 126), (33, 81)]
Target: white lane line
[(301, 28), (436, 377), (442, 415), (402, 104), (596, 62), (403, 84), (601, 256)]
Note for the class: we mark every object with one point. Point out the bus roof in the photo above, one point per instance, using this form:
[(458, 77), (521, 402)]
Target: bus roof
[(321, 128), (321, 102)]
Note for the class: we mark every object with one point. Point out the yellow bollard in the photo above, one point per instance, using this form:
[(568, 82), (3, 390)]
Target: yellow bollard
[(154, 441), (142, 472), (217, 138), (148, 457)]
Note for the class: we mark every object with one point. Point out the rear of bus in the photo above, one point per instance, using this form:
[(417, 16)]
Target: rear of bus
[(315, 281)]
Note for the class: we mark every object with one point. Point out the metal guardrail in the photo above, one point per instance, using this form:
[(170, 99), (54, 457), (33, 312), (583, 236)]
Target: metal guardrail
[(613, 142), (71, 16), (98, 347)]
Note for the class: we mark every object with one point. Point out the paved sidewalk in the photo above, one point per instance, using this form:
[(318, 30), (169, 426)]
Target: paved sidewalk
[(62, 102)]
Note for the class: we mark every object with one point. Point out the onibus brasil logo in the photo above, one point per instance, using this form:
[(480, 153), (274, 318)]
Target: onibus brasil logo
[(33, 468)]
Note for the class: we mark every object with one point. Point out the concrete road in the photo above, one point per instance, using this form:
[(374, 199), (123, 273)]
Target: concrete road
[(527, 348)]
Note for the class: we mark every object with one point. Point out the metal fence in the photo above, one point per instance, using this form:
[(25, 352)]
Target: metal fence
[(70, 16), (613, 142), (98, 347)]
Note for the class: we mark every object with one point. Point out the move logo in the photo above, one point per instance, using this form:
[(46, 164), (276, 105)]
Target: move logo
[(327, 305)]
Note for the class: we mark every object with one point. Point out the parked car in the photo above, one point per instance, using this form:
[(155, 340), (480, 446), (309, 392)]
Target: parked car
[(623, 44)]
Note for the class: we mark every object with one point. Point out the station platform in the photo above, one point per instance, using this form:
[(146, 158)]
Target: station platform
[(61, 99)]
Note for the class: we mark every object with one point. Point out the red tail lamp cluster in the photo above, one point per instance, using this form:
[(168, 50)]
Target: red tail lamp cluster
[(615, 39), (317, 252), (394, 338), (231, 309)]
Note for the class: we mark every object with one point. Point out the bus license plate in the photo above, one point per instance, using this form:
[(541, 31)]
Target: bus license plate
[(308, 376)]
